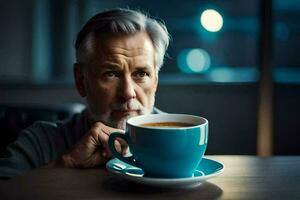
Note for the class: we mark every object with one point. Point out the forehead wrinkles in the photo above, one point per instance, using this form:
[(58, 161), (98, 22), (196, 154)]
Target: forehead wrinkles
[(119, 55), (111, 48), (128, 53)]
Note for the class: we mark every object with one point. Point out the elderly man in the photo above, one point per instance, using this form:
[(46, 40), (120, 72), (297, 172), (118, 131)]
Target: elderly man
[(118, 57)]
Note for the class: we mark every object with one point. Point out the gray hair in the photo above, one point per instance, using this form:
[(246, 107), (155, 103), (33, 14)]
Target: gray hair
[(118, 22)]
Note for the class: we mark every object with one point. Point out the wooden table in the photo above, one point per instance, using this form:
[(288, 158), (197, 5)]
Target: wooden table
[(245, 177)]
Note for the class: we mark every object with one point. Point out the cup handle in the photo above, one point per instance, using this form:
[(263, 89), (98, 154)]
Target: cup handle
[(111, 143)]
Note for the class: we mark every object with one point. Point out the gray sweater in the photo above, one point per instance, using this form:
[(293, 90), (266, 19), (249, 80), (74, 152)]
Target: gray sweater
[(41, 143)]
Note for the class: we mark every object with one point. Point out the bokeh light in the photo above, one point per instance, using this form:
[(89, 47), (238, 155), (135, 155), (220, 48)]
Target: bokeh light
[(211, 20), (193, 60)]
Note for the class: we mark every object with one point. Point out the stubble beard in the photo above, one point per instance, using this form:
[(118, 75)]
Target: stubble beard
[(133, 104)]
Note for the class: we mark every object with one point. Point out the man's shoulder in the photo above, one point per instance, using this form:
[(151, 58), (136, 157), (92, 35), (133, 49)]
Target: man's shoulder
[(54, 137), (42, 126), (54, 126)]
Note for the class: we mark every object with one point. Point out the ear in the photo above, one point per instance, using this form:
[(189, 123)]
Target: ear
[(156, 82), (79, 79)]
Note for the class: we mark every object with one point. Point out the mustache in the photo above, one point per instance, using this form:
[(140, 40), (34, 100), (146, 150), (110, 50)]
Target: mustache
[(132, 104)]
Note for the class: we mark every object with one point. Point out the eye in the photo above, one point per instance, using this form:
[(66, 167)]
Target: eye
[(110, 74), (141, 74)]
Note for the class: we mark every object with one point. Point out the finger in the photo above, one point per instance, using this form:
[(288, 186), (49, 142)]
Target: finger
[(103, 129), (118, 146), (125, 151), (99, 138), (107, 129), (106, 152), (99, 127), (101, 132), (103, 138), (94, 132), (98, 159), (123, 146)]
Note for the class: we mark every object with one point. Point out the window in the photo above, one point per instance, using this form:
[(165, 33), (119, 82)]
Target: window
[(199, 51)]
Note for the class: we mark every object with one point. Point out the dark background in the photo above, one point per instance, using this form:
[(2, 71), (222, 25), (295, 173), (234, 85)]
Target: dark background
[(37, 54)]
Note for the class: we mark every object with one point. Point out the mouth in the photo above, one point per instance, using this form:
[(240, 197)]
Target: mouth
[(126, 112)]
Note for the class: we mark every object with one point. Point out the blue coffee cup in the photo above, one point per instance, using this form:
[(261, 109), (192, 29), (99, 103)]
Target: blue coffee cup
[(164, 145)]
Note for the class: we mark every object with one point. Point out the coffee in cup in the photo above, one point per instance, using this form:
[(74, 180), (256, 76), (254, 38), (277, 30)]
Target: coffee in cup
[(167, 124), (164, 145)]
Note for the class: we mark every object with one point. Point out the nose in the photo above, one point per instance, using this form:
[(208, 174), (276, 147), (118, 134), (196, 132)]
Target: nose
[(127, 89)]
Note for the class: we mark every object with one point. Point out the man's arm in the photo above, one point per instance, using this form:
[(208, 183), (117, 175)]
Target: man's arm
[(92, 149), (33, 148), (44, 145)]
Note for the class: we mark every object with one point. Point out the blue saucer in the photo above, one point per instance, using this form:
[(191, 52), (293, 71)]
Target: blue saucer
[(207, 169)]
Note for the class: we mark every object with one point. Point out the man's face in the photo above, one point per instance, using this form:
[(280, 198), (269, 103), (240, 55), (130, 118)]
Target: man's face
[(121, 80)]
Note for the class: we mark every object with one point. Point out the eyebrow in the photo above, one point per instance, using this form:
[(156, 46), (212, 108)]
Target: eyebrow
[(107, 65), (110, 65), (144, 68)]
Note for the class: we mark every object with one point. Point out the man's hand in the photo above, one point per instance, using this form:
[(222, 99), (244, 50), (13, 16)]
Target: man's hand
[(92, 150)]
